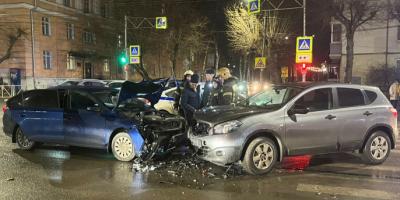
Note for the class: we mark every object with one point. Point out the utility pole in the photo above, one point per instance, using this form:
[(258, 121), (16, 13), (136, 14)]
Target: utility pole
[(126, 68), (304, 74), (304, 17), (263, 47)]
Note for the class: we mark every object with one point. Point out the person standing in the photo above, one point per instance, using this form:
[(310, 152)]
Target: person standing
[(394, 93), (190, 101), (179, 89), (208, 87)]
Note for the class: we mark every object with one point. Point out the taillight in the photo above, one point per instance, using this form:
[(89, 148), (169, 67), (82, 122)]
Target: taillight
[(393, 111), (5, 108)]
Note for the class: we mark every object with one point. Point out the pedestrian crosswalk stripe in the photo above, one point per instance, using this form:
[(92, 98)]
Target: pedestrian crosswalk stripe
[(346, 191)]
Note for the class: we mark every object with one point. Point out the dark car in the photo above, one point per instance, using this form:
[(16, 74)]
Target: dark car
[(297, 119), (92, 117)]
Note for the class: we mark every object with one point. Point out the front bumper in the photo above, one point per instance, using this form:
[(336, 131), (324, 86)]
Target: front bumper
[(218, 149)]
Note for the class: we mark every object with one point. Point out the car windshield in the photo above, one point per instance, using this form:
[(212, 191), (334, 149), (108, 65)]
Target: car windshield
[(274, 96), (70, 83)]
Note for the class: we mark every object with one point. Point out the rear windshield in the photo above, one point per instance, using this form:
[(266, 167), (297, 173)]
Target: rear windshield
[(15, 101)]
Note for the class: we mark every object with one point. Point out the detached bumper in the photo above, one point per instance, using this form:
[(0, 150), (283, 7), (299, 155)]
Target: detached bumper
[(218, 149)]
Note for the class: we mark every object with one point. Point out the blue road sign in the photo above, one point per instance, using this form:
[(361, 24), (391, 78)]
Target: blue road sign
[(134, 50), (304, 44), (254, 6)]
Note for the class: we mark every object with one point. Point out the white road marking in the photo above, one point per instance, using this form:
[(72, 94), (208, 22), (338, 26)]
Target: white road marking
[(362, 166), (353, 178), (346, 191)]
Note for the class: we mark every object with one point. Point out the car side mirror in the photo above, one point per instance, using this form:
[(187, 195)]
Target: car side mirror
[(298, 109), (95, 108)]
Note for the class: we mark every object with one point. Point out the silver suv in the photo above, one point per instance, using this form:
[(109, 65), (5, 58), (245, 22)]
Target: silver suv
[(297, 119)]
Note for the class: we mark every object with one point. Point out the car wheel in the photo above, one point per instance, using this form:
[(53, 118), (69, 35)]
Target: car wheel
[(377, 148), (23, 142), (260, 156), (122, 147)]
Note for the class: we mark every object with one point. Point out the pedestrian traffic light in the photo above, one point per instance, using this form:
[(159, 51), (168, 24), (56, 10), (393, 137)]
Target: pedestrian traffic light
[(123, 59)]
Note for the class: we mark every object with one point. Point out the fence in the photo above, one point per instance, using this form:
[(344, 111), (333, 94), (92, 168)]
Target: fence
[(8, 91)]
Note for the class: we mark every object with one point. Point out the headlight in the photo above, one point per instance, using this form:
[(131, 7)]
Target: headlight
[(227, 127)]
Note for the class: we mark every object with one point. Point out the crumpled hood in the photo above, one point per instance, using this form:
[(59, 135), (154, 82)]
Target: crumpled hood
[(144, 89), (219, 114)]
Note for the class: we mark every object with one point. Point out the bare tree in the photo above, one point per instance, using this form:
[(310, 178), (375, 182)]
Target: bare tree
[(244, 32), (352, 14), (395, 11), (275, 32), (12, 40)]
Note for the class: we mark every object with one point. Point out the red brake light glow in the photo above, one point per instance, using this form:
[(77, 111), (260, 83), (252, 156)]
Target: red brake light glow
[(394, 111), (5, 108)]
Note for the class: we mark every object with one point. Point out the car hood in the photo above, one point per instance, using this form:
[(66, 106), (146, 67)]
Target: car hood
[(219, 114), (145, 89)]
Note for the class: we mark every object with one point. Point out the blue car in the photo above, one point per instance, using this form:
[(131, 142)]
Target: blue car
[(102, 118)]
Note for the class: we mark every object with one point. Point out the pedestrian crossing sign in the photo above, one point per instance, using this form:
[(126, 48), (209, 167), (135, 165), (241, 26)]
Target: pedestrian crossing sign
[(304, 45), (161, 23), (254, 6), (260, 62), (134, 50)]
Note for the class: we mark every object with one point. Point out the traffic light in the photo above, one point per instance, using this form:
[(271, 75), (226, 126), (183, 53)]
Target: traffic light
[(122, 59)]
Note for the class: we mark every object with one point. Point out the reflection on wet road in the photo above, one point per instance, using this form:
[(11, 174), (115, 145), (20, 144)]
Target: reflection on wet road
[(58, 172)]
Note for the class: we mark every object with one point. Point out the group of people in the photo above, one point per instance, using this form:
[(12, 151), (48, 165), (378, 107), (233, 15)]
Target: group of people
[(219, 89)]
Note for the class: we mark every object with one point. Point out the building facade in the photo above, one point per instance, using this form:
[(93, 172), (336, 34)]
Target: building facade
[(63, 39), (376, 44)]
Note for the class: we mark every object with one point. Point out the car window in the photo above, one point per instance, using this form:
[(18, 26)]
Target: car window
[(350, 97), (80, 101), (40, 99), (62, 98), (371, 95), (317, 100), (15, 101)]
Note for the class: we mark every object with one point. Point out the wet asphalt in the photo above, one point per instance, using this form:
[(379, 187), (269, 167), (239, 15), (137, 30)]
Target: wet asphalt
[(60, 172)]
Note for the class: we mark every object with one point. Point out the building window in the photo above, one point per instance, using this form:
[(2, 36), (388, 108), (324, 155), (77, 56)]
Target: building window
[(104, 10), (336, 33), (67, 3), (106, 65), (89, 37), (46, 26), (398, 64), (398, 33), (70, 31), (87, 4), (47, 59), (71, 62)]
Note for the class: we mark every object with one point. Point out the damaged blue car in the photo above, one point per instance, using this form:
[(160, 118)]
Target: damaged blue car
[(122, 122)]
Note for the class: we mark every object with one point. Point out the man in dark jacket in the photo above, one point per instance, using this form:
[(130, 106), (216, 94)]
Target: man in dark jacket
[(190, 100), (208, 87)]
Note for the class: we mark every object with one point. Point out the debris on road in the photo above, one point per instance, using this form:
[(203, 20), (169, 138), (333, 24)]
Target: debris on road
[(10, 179)]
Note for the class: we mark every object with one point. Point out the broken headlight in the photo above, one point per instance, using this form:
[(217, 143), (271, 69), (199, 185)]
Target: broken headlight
[(227, 127)]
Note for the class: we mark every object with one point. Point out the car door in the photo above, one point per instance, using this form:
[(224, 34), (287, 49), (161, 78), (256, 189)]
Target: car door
[(84, 124), (353, 115), (316, 131), (41, 118)]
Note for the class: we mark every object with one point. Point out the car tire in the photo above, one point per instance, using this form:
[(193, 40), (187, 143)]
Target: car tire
[(122, 147), (23, 142), (377, 148), (260, 157)]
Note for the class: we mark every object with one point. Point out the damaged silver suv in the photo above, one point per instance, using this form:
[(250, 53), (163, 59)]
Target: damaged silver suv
[(297, 119)]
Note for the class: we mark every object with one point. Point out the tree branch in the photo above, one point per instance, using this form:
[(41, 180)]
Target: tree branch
[(12, 40)]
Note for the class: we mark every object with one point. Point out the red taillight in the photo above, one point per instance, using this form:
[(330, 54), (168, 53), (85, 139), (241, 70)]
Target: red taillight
[(5, 108), (393, 111)]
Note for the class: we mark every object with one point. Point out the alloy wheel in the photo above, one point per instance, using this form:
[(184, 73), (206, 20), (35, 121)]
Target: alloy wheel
[(263, 156), (379, 148)]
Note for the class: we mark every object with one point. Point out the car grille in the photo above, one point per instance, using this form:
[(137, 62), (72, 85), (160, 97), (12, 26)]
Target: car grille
[(201, 129)]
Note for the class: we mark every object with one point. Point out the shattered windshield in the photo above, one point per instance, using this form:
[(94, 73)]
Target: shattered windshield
[(110, 99), (273, 96)]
